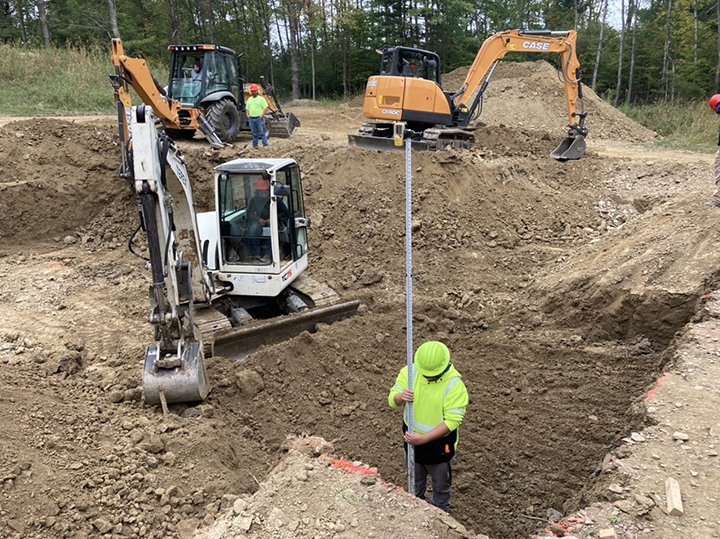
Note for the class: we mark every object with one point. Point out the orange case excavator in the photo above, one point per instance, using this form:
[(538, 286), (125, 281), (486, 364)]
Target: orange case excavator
[(407, 101)]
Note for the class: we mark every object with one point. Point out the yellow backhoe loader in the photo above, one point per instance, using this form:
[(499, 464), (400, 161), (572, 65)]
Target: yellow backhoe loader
[(223, 281), (211, 99), (407, 101)]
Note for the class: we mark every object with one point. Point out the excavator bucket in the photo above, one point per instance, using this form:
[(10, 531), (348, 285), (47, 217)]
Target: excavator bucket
[(283, 125), (174, 379), (572, 147)]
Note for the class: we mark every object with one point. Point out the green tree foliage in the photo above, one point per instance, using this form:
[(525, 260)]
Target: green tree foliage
[(332, 42)]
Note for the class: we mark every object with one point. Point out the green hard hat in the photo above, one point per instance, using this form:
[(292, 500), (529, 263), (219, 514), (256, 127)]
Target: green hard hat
[(431, 358)]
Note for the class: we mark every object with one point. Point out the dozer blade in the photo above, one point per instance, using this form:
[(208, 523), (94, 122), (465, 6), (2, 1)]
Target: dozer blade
[(572, 147), (241, 340), (177, 379), (382, 143), (283, 125)]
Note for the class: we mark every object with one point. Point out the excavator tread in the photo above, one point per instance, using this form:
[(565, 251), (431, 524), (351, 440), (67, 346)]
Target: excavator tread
[(432, 139), (319, 293), (438, 139), (209, 320)]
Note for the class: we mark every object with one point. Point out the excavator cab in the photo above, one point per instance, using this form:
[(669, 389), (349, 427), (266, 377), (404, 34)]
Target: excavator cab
[(260, 225), (218, 75), (410, 62)]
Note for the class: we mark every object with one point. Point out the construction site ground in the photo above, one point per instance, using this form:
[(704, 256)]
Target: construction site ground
[(577, 300)]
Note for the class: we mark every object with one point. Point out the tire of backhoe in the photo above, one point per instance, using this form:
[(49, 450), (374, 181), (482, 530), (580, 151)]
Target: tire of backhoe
[(225, 119), (180, 134)]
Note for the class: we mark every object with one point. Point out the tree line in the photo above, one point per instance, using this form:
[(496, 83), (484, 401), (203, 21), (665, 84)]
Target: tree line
[(631, 51)]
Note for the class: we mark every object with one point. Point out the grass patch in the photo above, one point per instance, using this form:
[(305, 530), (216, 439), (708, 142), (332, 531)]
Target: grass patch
[(687, 125), (56, 81)]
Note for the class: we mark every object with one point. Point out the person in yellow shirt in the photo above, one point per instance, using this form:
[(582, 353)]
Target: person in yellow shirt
[(256, 108), (439, 400)]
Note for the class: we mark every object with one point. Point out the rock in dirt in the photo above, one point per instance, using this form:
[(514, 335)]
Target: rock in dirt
[(249, 382)]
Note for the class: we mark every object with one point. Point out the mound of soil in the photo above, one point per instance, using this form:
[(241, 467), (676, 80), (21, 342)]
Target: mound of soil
[(530, 94), (313, 494), (557, 286)]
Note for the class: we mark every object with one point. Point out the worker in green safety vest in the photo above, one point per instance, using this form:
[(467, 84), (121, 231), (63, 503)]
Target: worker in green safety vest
[(439, 400)]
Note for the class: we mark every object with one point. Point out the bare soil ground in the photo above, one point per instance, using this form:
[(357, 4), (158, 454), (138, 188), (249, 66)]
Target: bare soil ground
[(565, 291)]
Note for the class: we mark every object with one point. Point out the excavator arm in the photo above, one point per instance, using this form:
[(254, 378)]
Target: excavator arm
[(173, 370), (498, 45)]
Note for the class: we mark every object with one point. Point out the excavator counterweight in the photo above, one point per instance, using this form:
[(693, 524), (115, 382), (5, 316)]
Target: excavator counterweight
[(407, 97)]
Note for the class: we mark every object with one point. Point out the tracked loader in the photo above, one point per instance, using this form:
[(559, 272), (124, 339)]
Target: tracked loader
[(223, 281), (406, 100), (211, 100)]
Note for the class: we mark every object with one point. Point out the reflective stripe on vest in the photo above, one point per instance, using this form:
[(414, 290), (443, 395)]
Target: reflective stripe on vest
[(428, 428)]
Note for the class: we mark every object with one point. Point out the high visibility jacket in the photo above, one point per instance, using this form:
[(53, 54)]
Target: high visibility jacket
[(443, 400), (255, 105)]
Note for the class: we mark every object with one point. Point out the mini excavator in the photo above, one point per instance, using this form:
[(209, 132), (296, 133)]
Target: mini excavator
[(407, 101), (210, 292), (212, 102)]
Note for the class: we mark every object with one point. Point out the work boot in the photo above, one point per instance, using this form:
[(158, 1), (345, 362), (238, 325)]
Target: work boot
[(265, 259)]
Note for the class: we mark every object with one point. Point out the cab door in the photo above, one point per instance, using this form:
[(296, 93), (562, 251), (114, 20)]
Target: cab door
[(293, 234)]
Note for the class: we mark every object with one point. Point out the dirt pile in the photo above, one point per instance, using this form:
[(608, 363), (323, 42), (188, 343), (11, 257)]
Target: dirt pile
[(545, 279), (50, 170), (313, 494), (530, 95)]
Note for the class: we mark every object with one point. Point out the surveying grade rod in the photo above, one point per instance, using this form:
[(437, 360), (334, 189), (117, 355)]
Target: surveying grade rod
[(408, 307)]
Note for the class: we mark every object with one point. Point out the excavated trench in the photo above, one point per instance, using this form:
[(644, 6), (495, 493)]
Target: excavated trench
[(547, 299)]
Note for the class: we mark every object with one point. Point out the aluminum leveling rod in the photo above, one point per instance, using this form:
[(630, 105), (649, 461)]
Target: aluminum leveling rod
[(408, 306)]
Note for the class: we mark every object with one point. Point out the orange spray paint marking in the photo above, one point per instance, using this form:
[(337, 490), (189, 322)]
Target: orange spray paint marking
[(654, 388), (351, 467)]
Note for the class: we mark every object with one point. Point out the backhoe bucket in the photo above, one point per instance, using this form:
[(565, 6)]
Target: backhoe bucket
[(283, 125), (572, 147), (174, 379)]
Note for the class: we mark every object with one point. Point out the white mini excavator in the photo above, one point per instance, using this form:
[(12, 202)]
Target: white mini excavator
[(224, 281)]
